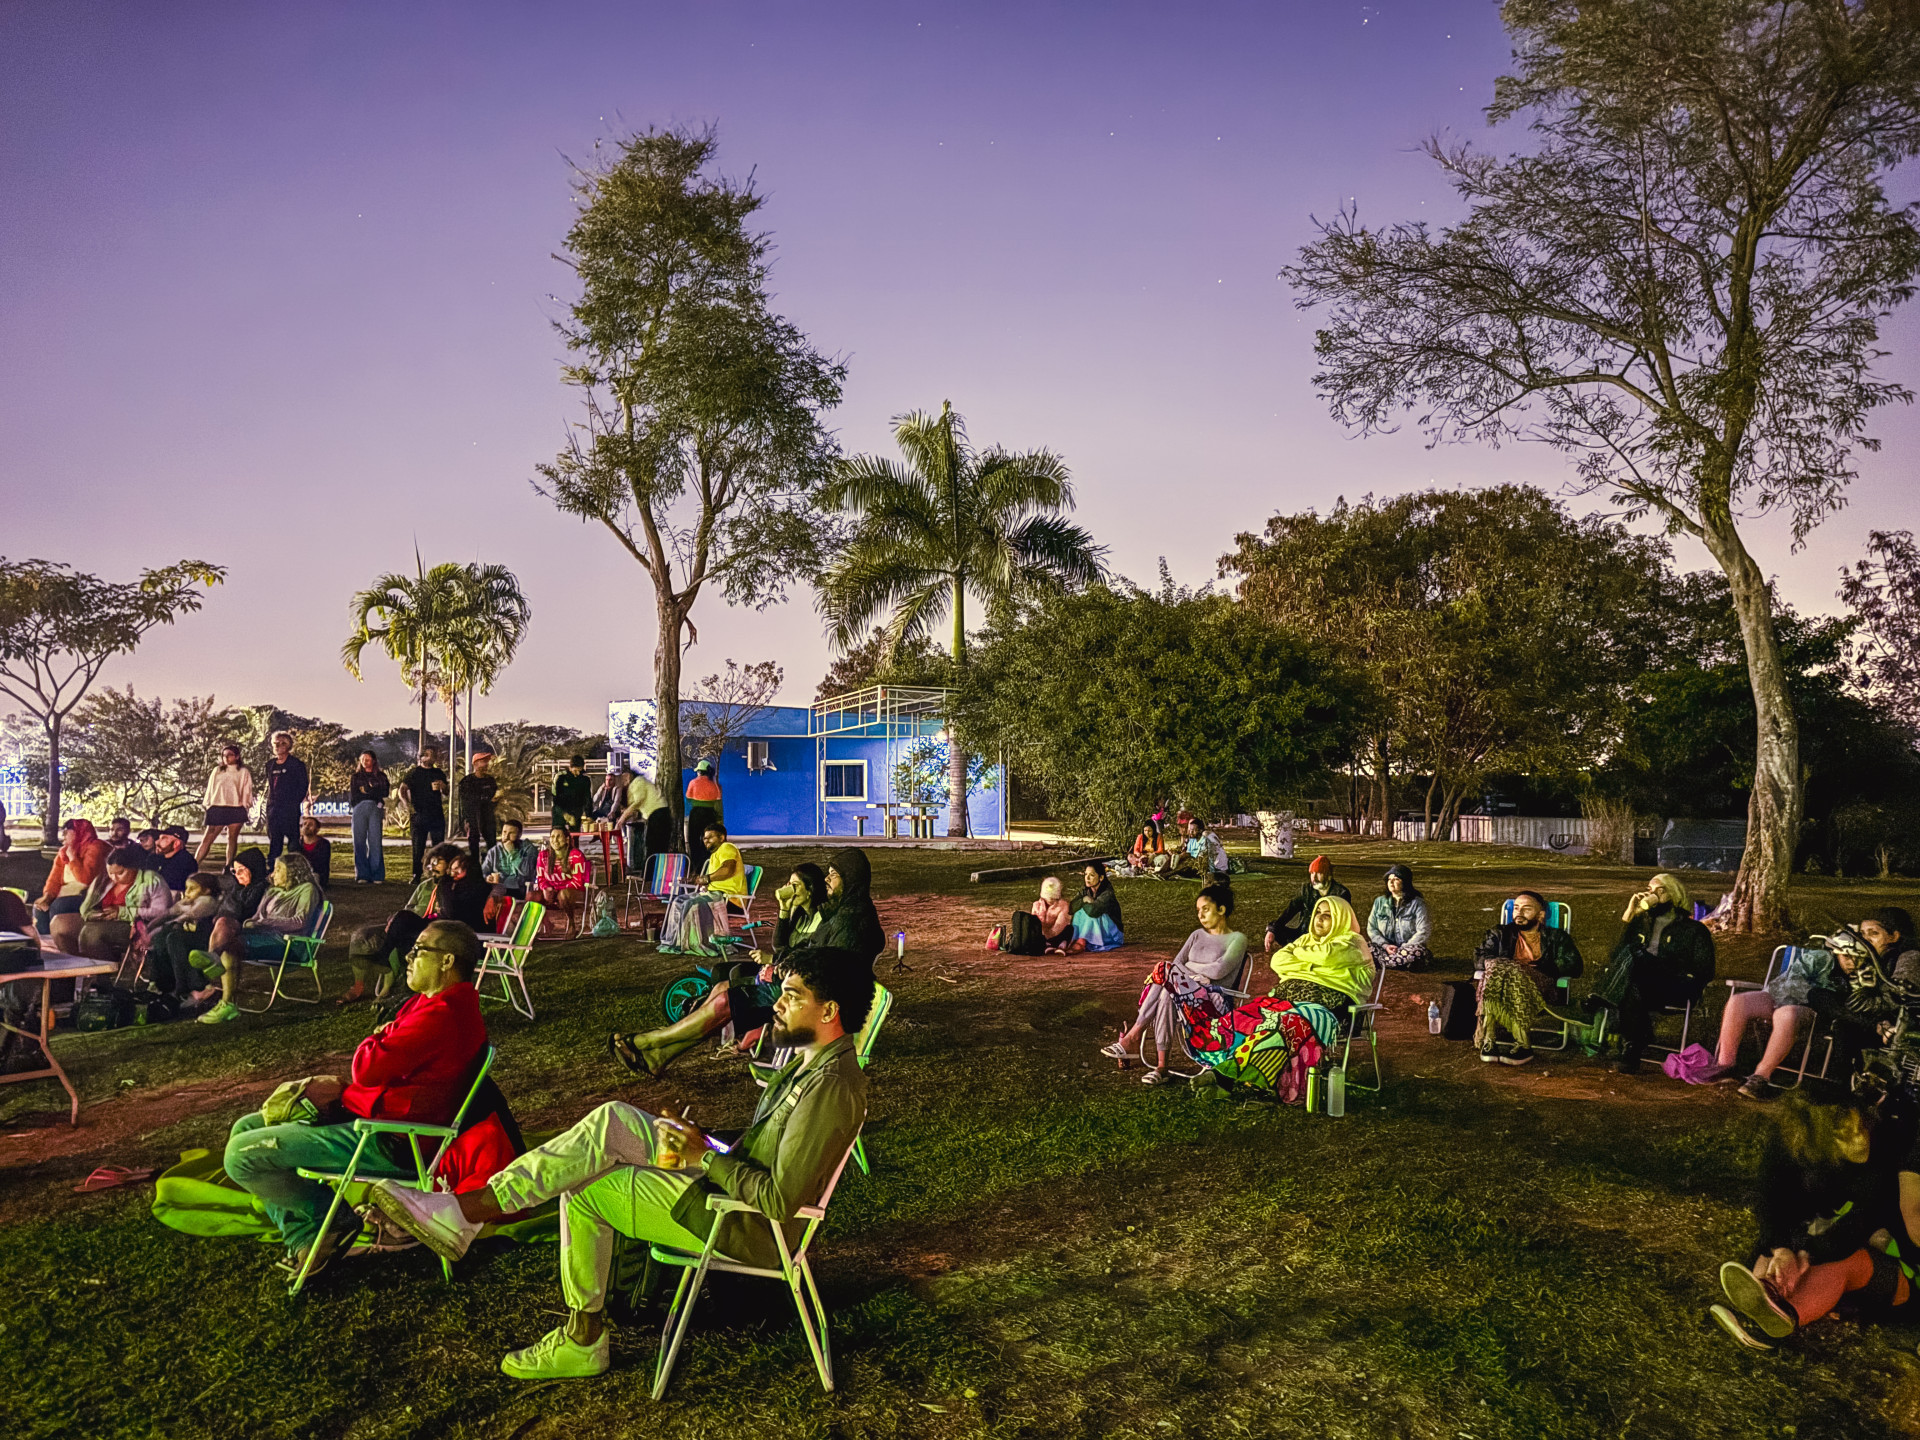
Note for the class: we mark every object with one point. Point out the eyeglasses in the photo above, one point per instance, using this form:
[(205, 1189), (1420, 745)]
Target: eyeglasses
[(420, 949)]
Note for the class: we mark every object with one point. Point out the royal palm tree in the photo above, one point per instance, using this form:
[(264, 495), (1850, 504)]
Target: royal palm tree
[(491, 620), (945, 522)]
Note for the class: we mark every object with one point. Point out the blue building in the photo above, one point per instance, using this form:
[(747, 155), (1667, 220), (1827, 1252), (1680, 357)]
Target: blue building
[(865, 763)]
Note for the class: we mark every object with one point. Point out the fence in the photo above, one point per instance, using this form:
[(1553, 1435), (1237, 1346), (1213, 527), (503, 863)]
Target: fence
[(1568, 835)]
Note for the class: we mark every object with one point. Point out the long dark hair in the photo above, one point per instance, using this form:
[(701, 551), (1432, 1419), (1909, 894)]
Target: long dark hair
[(1810, 1132)]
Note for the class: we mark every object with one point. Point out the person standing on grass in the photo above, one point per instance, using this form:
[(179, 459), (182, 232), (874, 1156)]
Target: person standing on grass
[(1292, 921), (418, 1067), (573, 795), (318, 851), (1664, 958), (1521, 962), (623, 1171), (289, 787), (1399, 925), (644, 817), (703, 809), (477, 792), (426, 787), (367, 791), (229, 803)]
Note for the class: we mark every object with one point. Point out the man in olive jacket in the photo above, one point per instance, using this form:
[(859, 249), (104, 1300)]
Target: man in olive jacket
[(625, 1172)]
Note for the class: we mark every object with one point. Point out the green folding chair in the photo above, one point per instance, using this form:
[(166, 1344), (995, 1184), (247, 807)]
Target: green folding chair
[(303, 953), (506, 956), (423, 1168)]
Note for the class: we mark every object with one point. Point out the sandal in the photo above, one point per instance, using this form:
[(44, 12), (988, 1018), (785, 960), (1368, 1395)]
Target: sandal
[(108, 1177), (621, 1049), (351, 998)]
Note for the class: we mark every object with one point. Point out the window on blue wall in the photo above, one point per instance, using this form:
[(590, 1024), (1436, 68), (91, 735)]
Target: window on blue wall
[(843, 780)]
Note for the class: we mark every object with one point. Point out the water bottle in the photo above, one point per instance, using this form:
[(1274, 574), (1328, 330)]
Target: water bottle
[(1433, 1017), (1313, 1090), (1337, 1093)]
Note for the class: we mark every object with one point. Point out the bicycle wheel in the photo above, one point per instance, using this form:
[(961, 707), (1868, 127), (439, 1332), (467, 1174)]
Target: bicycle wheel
[(684, 995)]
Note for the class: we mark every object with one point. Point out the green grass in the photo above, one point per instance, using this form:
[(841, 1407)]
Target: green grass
[(1045, 1248)]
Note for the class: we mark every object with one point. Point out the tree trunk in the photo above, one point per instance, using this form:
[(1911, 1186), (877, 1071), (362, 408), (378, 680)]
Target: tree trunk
[(1426, 809), (1777, 800), (666, 704), (454, 771), (957, 756), (50, 819)]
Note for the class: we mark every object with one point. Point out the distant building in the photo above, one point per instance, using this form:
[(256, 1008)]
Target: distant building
[(848, 765)]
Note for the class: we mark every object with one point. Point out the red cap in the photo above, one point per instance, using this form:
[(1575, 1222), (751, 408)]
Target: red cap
[(1319, 865)]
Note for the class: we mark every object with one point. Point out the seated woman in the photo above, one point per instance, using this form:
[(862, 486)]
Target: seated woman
[(285, 909), (746, 1002), (1520, 962), (1398, 926), (78, 862), (561, 875), (1270, 1043), (377, 951), (129, 893), (1664, 957), (191, 914), (1053, 913), (1096, 914), (1149, 854), (462, 894), (1784, 1005), (1187, 989), (1830, 1182), (191, 943)]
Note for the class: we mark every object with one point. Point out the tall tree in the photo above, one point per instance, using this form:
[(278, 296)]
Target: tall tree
[(948, 522), (405, 615), (58, 627), (703, 451), (724, 704), (149, 758), (1679, 285), (1883, 590)]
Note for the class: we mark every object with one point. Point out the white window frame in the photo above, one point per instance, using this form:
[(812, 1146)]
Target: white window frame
[(859, 799)]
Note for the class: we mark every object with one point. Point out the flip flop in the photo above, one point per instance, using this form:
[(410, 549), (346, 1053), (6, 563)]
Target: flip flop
[(109, 1177), (620, 1050)]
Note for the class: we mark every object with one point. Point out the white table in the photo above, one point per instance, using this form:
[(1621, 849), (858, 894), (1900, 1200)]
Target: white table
[(56, 965)]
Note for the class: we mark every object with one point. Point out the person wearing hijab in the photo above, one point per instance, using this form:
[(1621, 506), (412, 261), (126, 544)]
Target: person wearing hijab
[(1399, 926), (1272, 1042), (1188, 989), (128, 892), (703, 809), (1521, 961), (76, 865), (746, 1002), (1291, 923), (285, 907), (1664, 957), (1096, 914)]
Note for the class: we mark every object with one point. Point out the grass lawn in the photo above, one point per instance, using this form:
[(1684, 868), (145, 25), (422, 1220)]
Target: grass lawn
[(1045, 1247)]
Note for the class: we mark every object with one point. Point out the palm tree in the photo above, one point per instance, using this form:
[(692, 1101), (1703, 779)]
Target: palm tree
[(948, 521), (407, 616), (489, 623)]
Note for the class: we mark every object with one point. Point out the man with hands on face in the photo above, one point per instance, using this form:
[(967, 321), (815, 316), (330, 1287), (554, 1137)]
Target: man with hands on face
[(623, 1171)]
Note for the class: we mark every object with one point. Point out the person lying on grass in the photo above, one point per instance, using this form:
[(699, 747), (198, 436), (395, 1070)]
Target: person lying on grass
[(746, 1001), (623, 1171), (286, 908), (1521, 961), (375, 950), (417, 1067), (1838, 1202), (1188, 988)]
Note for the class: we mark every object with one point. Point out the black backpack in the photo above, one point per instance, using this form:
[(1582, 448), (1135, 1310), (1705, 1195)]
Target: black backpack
[(1023, 935), (1457, 1004)]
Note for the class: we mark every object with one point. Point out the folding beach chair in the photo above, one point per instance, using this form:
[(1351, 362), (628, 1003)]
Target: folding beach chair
[(506, 956), (1238, 991), (303, 953), (1559, 917), (1782, 957), (794, 1270), (765, 1070), (422, 1167), (666, 877), (1357, 1023)]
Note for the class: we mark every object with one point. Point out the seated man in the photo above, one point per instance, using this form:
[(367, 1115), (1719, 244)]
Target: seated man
[(626, 1172), (1664, 959), (689, 924), (1292, 923), (1521, 961), (176, 857), (417, 1067), (318, 850), (1202, 854)]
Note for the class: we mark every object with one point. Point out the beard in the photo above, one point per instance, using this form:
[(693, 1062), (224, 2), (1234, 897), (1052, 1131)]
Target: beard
[(1532, 924), (791, 1039)]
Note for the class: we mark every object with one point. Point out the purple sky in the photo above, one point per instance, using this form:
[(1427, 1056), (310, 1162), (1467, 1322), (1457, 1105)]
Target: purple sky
[(275, 280)]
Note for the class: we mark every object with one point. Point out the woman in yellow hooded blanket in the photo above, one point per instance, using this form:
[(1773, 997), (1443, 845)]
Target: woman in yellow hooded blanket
[(1272, 1042)]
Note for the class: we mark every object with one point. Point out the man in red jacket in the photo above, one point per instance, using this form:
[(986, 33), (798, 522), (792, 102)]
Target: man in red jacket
[(416, 1067)]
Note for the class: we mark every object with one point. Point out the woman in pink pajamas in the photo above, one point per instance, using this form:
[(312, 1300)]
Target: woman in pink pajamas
[(1782, 1004)]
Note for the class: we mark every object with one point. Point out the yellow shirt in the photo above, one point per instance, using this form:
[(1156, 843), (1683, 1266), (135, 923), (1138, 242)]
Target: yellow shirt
[(734, 884)]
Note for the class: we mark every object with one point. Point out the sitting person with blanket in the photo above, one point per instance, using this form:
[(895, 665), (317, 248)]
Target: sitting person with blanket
[(1270, 1043), (1520, 962), (1187, 989), (418, 1067), (693, 919), (622, 1171), (1096, 914)]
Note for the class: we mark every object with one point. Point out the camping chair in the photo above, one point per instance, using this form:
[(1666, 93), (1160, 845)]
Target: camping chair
[(506, 956), (423, 1169), (1782, 957), (300, 951), (765, 1070), (1358, 1022), (1559, 917), (741, 931), (1240, 990), (794, 1269), (666, 877)]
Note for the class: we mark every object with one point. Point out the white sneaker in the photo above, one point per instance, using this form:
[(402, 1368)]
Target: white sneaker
[(554, 1357), (431, 1218)]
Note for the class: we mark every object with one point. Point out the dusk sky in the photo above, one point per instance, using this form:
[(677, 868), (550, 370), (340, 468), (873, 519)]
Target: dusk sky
[(276, 288)]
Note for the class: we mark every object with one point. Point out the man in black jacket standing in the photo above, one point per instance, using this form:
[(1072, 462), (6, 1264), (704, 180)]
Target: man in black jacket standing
[(426, 785), (476, 806), (287, 793)]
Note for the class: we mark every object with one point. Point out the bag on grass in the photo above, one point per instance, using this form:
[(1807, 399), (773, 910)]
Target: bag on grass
[(1024, 936), (1692, 1064), (1457, 1002), (997, 937)]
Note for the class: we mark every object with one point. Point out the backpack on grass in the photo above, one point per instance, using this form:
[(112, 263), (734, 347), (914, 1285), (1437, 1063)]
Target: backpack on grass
[(1457, 1004), (1024, 936)]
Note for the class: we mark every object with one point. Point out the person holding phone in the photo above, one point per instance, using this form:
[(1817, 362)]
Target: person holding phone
[(624, 1171)]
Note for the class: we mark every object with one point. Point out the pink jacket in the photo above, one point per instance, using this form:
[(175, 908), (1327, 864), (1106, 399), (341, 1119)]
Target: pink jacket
[(1055, 917)]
